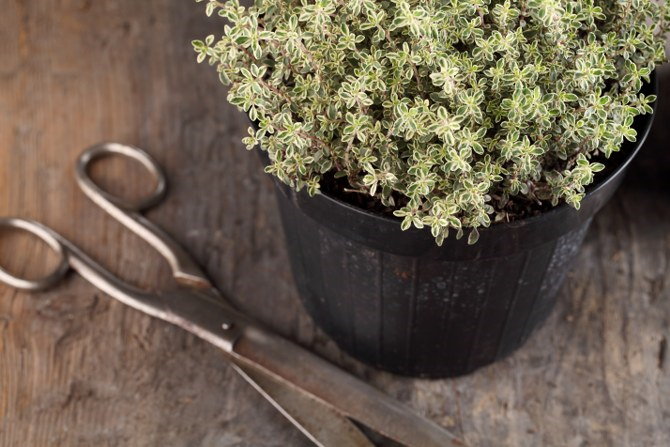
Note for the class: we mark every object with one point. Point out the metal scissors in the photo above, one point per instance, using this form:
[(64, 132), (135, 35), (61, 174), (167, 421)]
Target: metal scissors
[(315, 395)]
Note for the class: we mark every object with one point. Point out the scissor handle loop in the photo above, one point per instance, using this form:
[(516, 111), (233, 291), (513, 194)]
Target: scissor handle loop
[(184, 269), (105, 149), (46, 236)]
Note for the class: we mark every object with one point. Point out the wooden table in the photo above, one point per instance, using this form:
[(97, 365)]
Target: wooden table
[(78, 369)]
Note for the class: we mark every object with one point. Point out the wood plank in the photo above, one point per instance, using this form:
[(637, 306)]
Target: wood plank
[(78, 369)]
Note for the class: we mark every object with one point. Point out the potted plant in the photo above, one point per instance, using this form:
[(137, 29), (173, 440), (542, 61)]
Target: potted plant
[(396, 127)]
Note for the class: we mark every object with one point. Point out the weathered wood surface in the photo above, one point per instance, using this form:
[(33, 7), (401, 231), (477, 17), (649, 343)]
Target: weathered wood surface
[(77, 368)]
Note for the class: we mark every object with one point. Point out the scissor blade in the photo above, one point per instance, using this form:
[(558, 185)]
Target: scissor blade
[(324, 382), (318, 422)]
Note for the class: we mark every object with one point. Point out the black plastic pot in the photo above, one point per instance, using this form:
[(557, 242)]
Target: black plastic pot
[(395, 300)]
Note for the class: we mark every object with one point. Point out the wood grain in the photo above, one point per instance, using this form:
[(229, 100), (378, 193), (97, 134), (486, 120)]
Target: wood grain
[(77, 368)]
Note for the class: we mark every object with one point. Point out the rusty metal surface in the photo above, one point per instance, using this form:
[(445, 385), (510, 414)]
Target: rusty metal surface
[(328, 392)]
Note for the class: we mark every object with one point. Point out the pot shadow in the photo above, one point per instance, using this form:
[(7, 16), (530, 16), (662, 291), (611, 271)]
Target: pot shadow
[(650, 170), (642, 202)]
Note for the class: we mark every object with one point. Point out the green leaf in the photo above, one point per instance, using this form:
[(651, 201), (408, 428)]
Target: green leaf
[(452, 114)]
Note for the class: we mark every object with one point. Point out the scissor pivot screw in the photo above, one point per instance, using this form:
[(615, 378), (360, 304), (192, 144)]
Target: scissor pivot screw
[(227, 326)]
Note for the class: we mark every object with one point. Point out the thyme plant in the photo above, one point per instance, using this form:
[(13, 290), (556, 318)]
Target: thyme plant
[(454, 113)]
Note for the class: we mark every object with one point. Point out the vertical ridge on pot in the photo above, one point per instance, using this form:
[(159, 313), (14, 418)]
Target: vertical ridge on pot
[(363, 271), (470, 296), (509, 291), (335, 274), (430, 288), (446, 310), (530, 323), (413, 308), (306, 262), (528, 287), (397, 285), (380, 299), (476, 344), (565, 250)]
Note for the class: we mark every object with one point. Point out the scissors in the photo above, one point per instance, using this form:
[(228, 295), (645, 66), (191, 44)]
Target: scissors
[(319, 398)]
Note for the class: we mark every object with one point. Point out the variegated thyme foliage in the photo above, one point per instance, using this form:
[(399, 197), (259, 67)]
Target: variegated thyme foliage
[(467, 110)]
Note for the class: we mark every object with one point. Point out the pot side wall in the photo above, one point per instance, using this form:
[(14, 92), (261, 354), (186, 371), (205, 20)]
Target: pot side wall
[(423, 317)]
